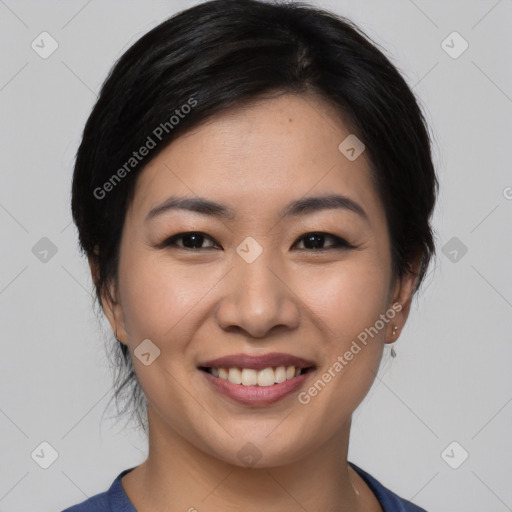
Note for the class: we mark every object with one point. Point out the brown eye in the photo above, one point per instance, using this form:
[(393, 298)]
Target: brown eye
[(192, 240), (315, 241)]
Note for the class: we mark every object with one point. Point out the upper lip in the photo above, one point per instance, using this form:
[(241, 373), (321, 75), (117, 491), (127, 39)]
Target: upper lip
[(274, 360)]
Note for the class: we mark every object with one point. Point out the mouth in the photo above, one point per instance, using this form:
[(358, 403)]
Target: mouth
[(257, 380), (269, 376)]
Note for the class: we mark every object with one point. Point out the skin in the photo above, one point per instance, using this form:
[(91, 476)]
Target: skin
[(293, 298)]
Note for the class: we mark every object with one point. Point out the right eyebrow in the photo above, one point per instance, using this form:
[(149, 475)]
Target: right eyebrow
[(298, 207)]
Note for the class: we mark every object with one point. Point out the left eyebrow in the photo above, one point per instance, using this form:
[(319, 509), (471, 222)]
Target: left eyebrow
[(317, 203), (192, 204), (295, 208)]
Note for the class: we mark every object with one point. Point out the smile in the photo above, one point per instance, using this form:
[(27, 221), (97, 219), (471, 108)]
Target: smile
[(256, 380), (250, 377)]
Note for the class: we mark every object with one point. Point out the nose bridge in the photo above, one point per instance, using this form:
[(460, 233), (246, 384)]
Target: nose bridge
[(259, 289), (256, 297)]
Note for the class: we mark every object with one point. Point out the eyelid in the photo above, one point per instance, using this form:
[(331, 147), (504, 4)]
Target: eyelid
[(171, 241), (340, 243)]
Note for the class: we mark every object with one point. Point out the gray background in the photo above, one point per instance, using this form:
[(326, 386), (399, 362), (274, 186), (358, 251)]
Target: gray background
[(452, 378)]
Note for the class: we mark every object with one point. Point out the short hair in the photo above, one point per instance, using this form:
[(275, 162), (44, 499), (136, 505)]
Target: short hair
[(224, 53)]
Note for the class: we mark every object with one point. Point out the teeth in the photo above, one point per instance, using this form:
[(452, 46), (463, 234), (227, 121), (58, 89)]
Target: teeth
[(235, 376), (250, 377), (280, 374), (266, 377)]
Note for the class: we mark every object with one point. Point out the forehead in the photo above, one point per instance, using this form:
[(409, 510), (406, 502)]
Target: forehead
[(258, 157)]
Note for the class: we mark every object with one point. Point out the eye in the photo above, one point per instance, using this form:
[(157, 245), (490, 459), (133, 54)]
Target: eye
[(190, 240), (193, 240), (315, 241)]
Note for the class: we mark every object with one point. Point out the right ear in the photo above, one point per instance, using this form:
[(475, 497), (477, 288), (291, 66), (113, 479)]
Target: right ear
[(109, 300)]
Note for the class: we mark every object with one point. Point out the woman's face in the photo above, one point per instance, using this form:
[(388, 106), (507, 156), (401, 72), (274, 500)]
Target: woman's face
[(251, 284)]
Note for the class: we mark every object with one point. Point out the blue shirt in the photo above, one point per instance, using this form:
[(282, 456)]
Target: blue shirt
[(116, 500)]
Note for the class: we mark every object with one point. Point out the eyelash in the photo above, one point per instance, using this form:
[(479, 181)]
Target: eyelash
[(340, 243)]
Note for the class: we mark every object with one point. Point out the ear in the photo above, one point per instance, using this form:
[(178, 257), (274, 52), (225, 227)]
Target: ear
[(401, 299), (109, 300)]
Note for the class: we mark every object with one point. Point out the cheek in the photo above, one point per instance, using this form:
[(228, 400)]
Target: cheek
[(155, 297), (349, 301), (349, 296), (157, 302)]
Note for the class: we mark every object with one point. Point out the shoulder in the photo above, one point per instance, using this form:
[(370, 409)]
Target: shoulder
[(389, 501), (115, 499), (98, 503)]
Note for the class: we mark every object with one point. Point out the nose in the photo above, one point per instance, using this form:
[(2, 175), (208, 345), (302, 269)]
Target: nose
[(257, 298)]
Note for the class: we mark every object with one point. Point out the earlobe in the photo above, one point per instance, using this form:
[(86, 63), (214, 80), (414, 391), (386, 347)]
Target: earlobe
[(93, 265), (114, 313), (393, 328), (402, 297), (109, 303)]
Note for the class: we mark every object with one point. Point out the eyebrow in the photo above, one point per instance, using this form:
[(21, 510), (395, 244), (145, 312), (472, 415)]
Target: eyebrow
[(299, 207)]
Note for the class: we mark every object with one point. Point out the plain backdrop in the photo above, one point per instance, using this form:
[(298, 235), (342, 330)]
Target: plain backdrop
[(436, 426)]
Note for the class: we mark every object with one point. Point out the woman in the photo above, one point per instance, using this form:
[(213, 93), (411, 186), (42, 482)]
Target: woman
[(253, 192)]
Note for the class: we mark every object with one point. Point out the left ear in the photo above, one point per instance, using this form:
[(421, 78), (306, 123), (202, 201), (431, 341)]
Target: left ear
[(401, 300)]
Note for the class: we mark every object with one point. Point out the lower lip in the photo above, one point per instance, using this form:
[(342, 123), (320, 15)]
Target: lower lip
[(257, 395)]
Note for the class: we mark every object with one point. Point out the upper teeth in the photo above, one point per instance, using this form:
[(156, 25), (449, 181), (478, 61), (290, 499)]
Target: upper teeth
[(250, 377)]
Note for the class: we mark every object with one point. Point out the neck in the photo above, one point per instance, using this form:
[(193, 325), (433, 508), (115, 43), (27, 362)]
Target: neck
[(179, 476)]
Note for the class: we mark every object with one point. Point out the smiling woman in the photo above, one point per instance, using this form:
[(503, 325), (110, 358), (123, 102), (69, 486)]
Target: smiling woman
[(254, 262)]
